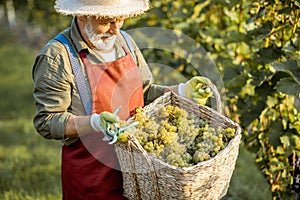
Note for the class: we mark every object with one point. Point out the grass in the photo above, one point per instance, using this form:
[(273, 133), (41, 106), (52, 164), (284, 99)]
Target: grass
[(30, 165)]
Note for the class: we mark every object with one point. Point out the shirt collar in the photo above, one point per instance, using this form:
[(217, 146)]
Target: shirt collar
[(76, 37)]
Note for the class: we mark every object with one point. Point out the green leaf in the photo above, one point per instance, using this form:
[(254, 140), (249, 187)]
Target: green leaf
[(276, 131), (269, 54), (291, 47), (286, 10), (235, 36), (274, 160), (221, 2), (288, 86), (290, 67), (198, 8), (271, 101), (237, 82), (233, 3), (280, 150), (264, 91), (252, 113), (284, 174), (259, 77), (285, 140), (275, 168), (262, 31), (261, 12), (230, 70), (296, 141)]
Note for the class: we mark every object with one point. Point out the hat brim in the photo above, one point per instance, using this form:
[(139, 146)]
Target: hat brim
[(77, 8)]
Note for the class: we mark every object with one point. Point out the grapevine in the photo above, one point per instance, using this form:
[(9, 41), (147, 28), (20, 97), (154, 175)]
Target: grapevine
[(177, 137)]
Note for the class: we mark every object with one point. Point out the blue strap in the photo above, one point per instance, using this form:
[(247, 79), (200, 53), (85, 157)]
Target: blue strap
[(78, 73), (129, 43)]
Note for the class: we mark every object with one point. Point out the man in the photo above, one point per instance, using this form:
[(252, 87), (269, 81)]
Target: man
[(92, 60)]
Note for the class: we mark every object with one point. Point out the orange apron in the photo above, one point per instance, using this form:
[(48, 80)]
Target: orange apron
[(90, 169)]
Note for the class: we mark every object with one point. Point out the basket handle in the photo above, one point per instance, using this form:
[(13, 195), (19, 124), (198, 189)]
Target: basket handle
[(216, 94), (217, 97)]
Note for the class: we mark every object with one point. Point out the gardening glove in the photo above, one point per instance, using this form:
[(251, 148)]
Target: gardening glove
[(196, 89), (99, 121)]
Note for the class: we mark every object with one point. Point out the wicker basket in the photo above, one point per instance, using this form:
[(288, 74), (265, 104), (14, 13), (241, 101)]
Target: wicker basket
[(146, 177)]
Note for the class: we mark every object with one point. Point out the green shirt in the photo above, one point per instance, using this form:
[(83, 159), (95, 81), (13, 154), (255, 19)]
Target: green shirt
[(55, 92)]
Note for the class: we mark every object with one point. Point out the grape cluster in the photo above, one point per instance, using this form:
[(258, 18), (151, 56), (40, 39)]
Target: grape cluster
[(177, 137)]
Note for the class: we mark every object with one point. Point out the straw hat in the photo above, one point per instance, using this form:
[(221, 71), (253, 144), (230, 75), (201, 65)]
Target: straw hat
[(102, 8)]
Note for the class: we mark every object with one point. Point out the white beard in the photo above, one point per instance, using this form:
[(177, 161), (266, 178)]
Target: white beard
[(96, 39)]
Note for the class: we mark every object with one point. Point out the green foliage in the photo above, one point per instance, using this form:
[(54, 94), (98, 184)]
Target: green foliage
[(255, 45), (29, 167)]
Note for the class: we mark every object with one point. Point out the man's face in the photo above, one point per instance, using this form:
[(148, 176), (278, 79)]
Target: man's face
[(102, 32)]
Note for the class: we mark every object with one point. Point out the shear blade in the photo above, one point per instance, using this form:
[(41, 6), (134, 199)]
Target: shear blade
[(107, 138), (114, 140)]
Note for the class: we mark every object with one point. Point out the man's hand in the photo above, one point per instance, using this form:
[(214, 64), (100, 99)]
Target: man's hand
[(98, 121), (196, 89)]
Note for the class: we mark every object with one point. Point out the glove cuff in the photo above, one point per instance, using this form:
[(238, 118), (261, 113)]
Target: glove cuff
[(95, 122), (181, 89)]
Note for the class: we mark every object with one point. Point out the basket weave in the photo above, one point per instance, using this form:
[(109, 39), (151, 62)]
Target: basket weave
[(148, 178)]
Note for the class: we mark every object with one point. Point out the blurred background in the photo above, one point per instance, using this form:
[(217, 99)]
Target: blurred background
[(254, 44)]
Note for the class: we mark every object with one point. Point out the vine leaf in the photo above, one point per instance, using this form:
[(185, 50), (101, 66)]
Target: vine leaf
[(252, 113), (285, 140), (235, 36), (259, 77), (290, 67), (296, 142), (237, 81), (269, 54), (198, 8), (280, 150), (288, 86), (276, 130), (262, 31)]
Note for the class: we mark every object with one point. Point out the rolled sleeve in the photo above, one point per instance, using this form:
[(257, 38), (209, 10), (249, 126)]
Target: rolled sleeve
[(58, 126), (154, 92), (52, 95)]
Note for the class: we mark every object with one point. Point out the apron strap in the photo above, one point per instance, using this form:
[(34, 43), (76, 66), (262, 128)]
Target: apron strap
[(78, 73), (129, 44)]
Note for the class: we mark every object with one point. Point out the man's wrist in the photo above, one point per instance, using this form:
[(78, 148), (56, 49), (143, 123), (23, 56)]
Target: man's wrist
[(181, 89), (95, 122)]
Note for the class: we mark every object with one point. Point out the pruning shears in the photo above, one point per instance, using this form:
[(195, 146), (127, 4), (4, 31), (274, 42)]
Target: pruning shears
[(113, 130)]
